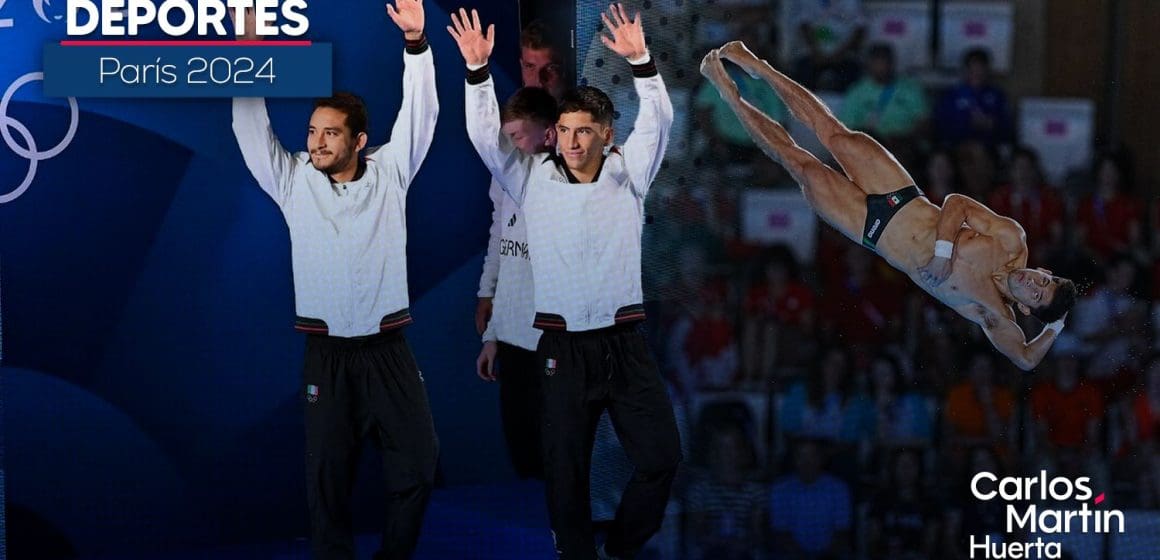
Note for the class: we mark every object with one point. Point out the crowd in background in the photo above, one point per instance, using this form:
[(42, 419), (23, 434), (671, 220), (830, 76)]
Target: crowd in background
[(835, 409)]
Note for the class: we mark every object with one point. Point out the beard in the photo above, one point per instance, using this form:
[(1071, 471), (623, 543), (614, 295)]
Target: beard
[(340, 162)]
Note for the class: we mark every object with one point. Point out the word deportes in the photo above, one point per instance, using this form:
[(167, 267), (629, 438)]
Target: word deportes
[(987, 486), (176, 18)]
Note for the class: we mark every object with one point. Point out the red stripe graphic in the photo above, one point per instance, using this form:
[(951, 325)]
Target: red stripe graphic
[(142, 43)]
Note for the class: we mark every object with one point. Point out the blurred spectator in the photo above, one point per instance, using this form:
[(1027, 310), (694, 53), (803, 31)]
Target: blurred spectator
[(810, 510), (1027, 200), (969, 516), (691, 271), (542, 60), (902, 417), (974, 109), (728, 140), (778, 319), (860, 305), (831, 32), (976, 164), (825, 405), (1109, 219), (1145, 435), (1067, 412), (726, 505), (1154, 292), (937, 362), (939, 175), (683, 231), (903, 521), (702, 345), (1109, 322), (978, 411), (890, 108)]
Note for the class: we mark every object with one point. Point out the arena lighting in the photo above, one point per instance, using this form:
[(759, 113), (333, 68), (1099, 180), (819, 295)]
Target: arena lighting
[(118, 18)]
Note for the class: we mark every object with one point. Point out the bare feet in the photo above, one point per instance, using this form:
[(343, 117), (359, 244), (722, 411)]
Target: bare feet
[(714, 71), (739, 54)]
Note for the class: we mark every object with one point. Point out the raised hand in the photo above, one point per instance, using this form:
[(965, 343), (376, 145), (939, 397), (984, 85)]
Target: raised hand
[(627, 35), (250, 23), (408, 15), (474, 45)]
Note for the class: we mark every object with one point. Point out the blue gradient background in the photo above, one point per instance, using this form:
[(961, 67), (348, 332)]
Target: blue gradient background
[(150, 372)]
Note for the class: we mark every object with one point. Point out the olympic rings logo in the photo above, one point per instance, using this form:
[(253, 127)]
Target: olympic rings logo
[(30, 153)]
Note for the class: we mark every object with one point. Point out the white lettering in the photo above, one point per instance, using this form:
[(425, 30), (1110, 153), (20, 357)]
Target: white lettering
[(187, 21), (117, 18), (985, 496), (266, 13), (141, 13), (1083, 489), (211, 14), (1053, 521), (1068, 488), (107, 71), (292, 10), (111, 14), (1027, 522), (1108, 516), (997, 549), (74, 9), (1010, 489), (983, 548), (1049, 521)]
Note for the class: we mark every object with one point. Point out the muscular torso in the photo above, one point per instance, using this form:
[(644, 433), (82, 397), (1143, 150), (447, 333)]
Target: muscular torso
[(908, 244)]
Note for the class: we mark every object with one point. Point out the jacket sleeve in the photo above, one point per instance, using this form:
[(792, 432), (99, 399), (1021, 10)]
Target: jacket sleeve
[(414, 127), (645, 148), (490, 277), (509, 166), (271, 165)]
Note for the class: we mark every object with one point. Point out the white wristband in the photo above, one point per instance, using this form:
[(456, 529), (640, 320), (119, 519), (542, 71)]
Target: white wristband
[(474, 67), (943, 249), (639, 61), (1055, 326)]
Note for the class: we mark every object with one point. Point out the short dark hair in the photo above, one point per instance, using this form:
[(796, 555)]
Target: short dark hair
[(350, 105), (535, 36), (977, 54), (531, 104), (590, 100), (1062, 302)]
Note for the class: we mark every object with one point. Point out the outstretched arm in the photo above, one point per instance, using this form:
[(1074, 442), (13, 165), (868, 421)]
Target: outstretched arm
[(1008, 338), (507, 165), (269, 162), (414, 127), (645, 148), (957, 210)]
